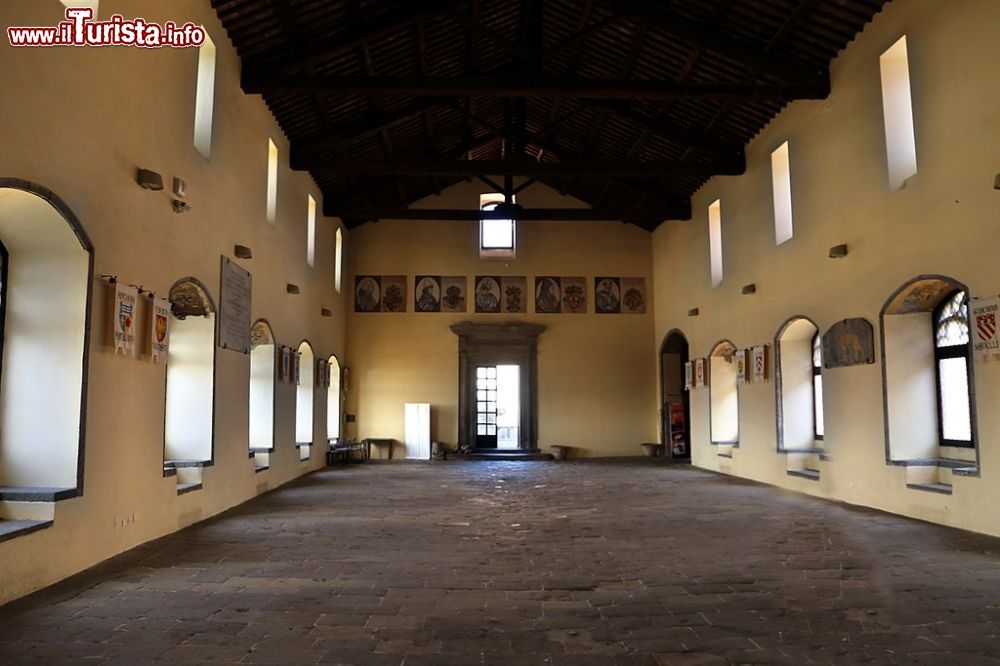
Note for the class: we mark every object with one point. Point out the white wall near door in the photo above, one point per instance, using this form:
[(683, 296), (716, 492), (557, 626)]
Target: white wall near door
[(418, 430)]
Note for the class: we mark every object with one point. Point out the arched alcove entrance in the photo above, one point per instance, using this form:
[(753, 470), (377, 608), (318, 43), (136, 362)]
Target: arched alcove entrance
[(675, 406), (46, 273)]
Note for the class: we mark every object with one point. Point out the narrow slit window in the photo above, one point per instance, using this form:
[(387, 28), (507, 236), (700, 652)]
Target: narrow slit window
[(338, 261), (781, 185), (272, 183), (715, 241), (311, 232), (897, 110), (204, 103)]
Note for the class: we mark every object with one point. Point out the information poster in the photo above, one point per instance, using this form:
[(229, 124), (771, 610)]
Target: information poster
[(234, 308)]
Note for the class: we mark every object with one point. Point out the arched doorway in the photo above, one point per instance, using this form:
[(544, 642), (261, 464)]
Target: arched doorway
[(675, 405)]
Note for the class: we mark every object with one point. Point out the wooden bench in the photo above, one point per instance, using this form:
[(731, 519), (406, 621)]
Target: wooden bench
[(342, 451)]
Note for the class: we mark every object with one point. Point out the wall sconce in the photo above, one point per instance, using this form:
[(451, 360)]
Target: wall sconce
[(838, 251), (243, 252), (750, 288), (180, 188), (150, 180), (292, 288), (996, 182), (693, 312), (325, 312)]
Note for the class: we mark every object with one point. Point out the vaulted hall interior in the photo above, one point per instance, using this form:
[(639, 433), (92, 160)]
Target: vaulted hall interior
[(466, 275)]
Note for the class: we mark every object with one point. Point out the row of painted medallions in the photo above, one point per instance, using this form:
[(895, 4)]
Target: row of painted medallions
[(499, 294)]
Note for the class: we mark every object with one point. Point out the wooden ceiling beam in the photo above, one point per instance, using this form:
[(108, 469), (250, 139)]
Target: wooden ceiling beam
[(351, 37), (531, 86), (708, 37), (526, 167), (309, 147), (680, 210)]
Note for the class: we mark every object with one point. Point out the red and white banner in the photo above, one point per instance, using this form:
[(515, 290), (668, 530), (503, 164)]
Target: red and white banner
[(984, 317), (159, 329)]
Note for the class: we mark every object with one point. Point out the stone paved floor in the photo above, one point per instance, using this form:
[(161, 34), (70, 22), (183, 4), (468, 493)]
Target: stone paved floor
[(528, 563)]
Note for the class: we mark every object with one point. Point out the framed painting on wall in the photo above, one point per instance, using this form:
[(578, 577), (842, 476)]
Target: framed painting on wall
[(633, 295), (393, 293), (574, 295), (367, 293), (427, 293), (453, 293), (513, 296), (607, 295), (487, 294), (548, 295)]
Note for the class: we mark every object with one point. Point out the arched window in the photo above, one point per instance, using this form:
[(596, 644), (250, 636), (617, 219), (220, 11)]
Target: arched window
[(928, 376), (951, 356), (723, 396), (333, 399), (799, 385), (799, 395), (190, 394), (45, 283), (305, 398), (819, 425), (262, 371)]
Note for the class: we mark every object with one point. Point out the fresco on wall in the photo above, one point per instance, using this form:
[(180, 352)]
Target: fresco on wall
[(921, 296), (393, 293), (513, 295), (574, 295), (607, 295), (367, 293), (547, 295), (633, 295), (487, 294), (453, 291), (427, 293), (849, 342)]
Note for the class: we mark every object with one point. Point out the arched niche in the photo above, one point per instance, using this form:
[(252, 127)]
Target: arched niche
[(47, 275), (723, 395), (798, 385), (262, 386), (920, 390), (190, 394), (305, 398), (333, 399), (675, 408)]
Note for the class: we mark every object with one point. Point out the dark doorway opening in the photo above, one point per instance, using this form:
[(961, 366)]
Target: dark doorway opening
[(675, 404)]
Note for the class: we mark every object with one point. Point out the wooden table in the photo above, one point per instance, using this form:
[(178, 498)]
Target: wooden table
[(377, 441)]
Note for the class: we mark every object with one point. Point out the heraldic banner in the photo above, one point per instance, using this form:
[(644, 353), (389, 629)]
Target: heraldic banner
[(160, 328), (983, 319), (126, 297)]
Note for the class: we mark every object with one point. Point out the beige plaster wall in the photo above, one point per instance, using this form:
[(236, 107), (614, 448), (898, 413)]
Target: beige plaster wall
[(79, 122), (943, 221), (596, 380)]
